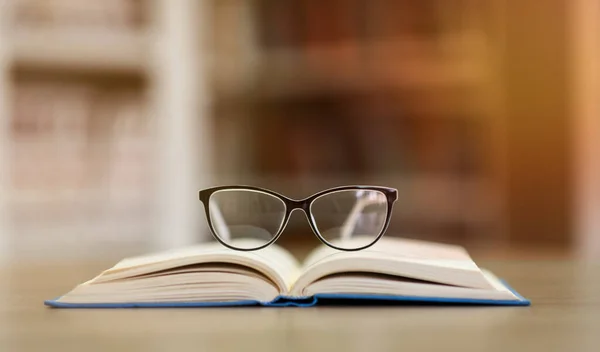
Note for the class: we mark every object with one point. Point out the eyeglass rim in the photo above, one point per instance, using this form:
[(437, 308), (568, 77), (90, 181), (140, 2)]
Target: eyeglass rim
[(304, 205)]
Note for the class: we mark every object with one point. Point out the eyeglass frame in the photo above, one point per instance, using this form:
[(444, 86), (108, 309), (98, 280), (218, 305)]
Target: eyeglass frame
[(304, 205)]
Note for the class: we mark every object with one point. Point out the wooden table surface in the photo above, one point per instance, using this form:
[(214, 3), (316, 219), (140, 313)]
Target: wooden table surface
[(565, 316)]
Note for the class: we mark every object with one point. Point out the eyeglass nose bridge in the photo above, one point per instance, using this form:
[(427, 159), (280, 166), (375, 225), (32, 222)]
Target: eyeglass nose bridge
[(303, 205)]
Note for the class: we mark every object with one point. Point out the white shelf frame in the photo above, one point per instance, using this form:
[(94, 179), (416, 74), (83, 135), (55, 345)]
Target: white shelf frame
[(181, 98)]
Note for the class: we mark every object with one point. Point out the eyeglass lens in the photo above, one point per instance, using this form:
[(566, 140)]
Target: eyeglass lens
[(350, 219), (246, 219)]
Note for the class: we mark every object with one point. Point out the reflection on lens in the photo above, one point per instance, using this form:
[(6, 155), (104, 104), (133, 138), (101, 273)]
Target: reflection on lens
[(246, 219), (350, 219)]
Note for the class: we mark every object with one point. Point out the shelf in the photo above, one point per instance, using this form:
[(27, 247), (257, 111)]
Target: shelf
[(103, 51), (454, 62)]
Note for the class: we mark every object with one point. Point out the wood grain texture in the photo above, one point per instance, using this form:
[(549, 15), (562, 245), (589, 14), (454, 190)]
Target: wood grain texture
[(565, 315)]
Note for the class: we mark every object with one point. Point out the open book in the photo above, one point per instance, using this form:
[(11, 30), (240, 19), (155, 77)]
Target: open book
[(212, 275)]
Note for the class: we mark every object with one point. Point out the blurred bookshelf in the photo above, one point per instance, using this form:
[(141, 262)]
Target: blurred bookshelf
[(118, 111), (312, 94), (88, 158)]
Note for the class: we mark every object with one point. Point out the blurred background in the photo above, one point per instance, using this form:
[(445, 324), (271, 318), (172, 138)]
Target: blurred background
[(483, 113)]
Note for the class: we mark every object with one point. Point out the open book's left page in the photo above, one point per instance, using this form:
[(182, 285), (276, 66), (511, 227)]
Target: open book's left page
[(194, 271)]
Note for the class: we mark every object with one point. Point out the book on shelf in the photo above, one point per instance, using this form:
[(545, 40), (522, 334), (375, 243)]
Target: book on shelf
[(393, 270), (81, 155), (74, 135)]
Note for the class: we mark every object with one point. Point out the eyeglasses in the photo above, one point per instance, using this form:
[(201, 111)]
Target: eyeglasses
[(348, 218)]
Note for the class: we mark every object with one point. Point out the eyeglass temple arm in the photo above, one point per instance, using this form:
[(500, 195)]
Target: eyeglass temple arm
[(219, 222), (350, 223)]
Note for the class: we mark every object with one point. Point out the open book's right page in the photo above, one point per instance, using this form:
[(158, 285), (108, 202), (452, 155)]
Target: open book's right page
[(444, 254), (411, 259)]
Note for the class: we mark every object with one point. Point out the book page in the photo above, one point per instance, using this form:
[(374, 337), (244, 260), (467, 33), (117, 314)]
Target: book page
[(411, 259), (407, 249), (275, 262)]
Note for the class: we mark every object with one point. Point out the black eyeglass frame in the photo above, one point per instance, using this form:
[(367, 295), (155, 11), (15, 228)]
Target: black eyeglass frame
[(291, 205)]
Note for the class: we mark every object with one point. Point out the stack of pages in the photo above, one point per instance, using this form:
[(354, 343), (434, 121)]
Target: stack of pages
[(391, 271)]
